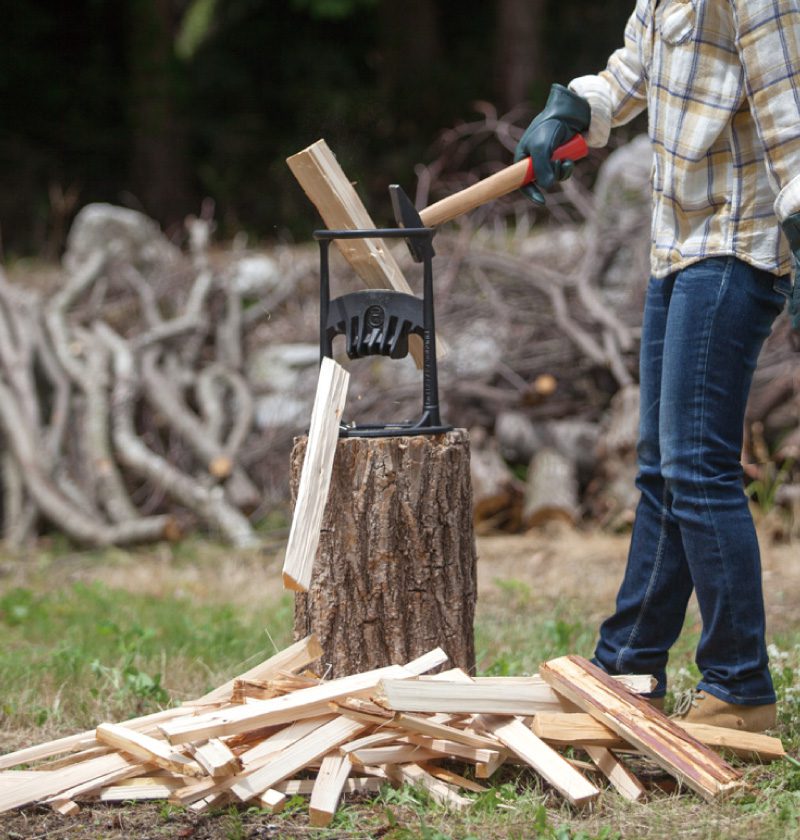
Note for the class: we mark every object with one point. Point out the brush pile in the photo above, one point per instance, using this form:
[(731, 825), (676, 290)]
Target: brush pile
[(278, 731)]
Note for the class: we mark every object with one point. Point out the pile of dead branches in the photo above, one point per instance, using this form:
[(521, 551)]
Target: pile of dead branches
[(124, 401)]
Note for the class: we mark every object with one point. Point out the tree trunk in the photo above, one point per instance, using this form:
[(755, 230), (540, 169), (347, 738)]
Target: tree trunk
[(395, 573)]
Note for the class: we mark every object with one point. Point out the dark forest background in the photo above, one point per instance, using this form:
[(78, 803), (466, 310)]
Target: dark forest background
[(156, 104)]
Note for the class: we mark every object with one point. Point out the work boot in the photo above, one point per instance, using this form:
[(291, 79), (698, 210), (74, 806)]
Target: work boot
[(705, 708)]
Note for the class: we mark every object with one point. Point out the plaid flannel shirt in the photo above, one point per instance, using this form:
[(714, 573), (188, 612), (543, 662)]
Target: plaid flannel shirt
[(721, 82)]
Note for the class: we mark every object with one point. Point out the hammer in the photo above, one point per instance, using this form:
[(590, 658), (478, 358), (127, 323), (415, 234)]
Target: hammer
[(501, 183)]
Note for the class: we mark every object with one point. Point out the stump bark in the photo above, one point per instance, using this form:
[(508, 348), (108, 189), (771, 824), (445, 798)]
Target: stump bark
[(395, 572)]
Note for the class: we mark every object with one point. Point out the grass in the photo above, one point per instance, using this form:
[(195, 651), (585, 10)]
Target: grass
[(76, 650)]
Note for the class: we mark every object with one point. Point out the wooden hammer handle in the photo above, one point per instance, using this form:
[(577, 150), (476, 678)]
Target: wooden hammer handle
[(501, 183)]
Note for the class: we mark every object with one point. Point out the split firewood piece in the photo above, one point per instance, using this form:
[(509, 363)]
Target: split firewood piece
[(474, 755), (452, 778), (213, 800), (244, 690), (616, 772), (635, 720), (293, 658), (328, 788), (216, 758), (475, 698), (574, 787), (315, 478), (376, 739), (272, 800), (147, 749), (67, 808), (363, 706), (487, 769), (332, 193), (296, 757), (440, 791), (125, 793), (55, 782), (74, 758), (580, 728), (393, 754), (303, 787)]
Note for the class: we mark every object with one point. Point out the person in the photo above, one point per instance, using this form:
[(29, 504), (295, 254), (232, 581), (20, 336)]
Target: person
[(720, 80)]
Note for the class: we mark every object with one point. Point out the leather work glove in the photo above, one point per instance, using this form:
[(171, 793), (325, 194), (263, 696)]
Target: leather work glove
[(791, 227), (565, 114)]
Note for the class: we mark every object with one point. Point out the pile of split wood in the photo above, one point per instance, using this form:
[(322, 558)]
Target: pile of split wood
[(277, 731)]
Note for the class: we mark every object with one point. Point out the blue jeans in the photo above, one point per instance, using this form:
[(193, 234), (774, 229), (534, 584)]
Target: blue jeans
[(702, 332)]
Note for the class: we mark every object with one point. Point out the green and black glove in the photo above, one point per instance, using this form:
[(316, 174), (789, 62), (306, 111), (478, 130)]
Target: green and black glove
[(564, 115), (791, 227)]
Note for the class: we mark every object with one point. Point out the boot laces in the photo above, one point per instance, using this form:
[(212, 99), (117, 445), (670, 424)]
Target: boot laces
[(686, 701)]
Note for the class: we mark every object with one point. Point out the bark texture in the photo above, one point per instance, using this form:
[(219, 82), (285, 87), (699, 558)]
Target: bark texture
[(395, 573)]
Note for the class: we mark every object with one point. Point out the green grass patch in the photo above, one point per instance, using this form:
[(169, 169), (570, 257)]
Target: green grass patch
[(69, 656), (75, 654)]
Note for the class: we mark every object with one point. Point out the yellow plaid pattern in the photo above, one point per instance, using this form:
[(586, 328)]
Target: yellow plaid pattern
[(721, 83)]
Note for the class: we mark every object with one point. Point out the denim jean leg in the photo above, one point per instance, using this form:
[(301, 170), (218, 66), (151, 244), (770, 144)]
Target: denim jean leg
[(652, 598), (720, 313)]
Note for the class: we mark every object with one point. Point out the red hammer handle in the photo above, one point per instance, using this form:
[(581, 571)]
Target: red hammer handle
[(573, 149), (501, 183)]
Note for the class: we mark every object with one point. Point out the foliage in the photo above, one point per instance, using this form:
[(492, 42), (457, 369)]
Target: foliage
[(252, 82)]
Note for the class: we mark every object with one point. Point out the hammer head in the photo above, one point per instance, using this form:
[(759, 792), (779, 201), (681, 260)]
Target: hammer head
[(407, 216)]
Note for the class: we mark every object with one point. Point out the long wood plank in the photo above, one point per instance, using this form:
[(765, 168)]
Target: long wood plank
[(621, 778), (328, 788), (475, 755), (315, 476), (635, 720), (580, 728), (574, 787), (55, 781), (297, 756)]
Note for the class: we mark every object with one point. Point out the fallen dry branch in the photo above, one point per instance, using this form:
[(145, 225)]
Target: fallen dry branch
[(332, 738)]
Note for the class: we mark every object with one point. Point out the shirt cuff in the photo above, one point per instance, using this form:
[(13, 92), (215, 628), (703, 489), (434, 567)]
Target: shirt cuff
[(788, 201), (598, 94)]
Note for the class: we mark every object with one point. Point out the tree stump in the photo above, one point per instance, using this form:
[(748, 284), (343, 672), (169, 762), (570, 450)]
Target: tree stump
[(395, 572)]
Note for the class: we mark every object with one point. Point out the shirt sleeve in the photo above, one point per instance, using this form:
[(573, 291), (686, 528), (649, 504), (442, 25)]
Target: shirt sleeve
[(768, 42), (618, 93)]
